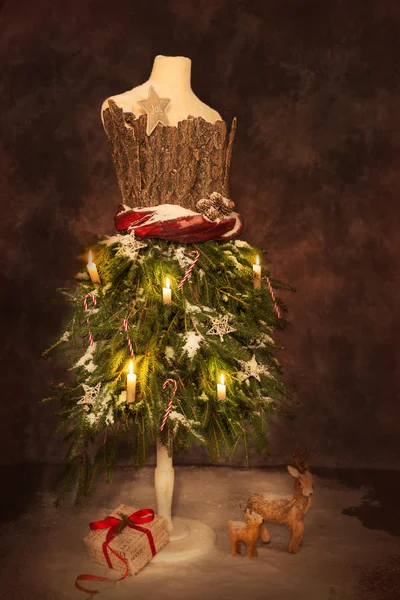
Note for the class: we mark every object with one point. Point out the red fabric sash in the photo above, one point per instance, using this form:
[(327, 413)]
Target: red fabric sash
[(140, 517), (186, 229)]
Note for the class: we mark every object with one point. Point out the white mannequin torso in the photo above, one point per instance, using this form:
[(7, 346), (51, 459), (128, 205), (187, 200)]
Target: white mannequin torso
[(170, 78)]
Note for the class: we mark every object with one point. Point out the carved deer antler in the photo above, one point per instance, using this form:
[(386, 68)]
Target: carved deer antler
[(300, 458)]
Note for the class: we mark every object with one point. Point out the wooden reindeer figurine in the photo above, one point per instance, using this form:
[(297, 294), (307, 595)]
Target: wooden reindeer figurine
[(245, 532), (285, 508)]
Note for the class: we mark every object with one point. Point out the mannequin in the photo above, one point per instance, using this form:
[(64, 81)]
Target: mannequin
[(170, 77)]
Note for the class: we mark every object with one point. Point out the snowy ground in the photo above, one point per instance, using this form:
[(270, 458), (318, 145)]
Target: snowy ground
[(353, 556)]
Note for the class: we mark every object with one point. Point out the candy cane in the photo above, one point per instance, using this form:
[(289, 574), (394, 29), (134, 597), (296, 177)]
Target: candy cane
[(125, 322), (171, 400), (190, 269), (93, 297), (271, 291)]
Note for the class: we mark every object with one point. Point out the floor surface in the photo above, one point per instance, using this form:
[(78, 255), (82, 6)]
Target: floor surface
[(351, 549)]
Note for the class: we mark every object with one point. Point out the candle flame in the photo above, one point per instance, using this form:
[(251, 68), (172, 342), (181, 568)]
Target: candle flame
[(131, 367), (257, 260), (222, 379), (167, 283), (90, 258)]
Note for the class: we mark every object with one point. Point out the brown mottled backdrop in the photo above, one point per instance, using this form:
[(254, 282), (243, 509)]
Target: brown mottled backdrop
[(316, 174)]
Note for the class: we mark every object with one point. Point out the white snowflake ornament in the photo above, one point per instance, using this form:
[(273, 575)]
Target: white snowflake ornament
[(129, 246), (220, 326), (251, 368)]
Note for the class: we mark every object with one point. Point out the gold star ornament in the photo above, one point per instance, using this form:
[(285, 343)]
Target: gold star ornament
[(155, 110)]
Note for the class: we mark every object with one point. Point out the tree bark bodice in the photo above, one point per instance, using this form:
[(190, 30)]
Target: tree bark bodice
[(174, 165)]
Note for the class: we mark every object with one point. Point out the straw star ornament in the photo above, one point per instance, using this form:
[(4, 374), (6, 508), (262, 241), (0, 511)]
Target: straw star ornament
[(220, 326), (91, 394)]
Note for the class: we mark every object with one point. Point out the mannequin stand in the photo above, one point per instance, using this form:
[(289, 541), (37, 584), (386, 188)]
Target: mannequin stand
[(188, 538)]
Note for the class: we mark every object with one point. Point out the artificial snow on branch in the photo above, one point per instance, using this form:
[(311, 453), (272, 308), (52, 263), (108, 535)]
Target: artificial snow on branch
[(179, 420), (86, 361)]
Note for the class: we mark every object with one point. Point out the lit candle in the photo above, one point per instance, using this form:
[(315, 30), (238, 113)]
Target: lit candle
[(221, 388), (167, 292), (91, 267), (257, 274), (130, 384)]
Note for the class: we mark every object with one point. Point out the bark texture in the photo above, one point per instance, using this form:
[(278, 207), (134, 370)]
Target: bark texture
[(174, 165)]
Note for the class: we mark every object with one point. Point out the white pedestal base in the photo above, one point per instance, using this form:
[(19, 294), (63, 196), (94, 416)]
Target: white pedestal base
[(188, 539), (179, 530)]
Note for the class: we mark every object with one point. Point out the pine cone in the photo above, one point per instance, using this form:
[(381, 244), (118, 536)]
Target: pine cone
[(215, 207), (212, 213), (227, 206), (203, 204), (216, 198)]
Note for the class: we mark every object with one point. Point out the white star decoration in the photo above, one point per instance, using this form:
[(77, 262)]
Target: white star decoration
[(129, 246), (251, 368), (220, 326), (91, 394)]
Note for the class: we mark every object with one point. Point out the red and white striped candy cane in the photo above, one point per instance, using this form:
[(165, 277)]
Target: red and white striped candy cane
[(271, 291), (190, 269), (85, 301), (125, 322), (166, 382)]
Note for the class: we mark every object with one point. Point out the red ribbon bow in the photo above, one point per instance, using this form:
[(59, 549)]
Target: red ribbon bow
[(113, 524)]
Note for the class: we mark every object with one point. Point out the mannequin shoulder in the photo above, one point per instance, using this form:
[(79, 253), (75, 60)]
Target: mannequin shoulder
[(128, 101), (215, 115), (182, 105), (200, 109)]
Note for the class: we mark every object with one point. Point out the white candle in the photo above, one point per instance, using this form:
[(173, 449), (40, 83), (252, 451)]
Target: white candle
[(221, 388), (91, 267), (167, 292), (130, 384), (257, 274)]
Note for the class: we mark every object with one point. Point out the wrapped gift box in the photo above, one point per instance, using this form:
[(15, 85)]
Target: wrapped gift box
[(132, 544)]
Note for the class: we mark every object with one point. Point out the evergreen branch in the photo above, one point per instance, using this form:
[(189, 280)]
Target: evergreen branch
[(246, 452), (233, 297), (132, 290), (215, 438), (234, 448), (222, 433)]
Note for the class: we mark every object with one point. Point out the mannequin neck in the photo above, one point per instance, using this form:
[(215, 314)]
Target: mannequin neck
[(173, 71)]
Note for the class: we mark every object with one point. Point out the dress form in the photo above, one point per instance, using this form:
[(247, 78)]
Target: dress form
[(184, 159), (170, 77)]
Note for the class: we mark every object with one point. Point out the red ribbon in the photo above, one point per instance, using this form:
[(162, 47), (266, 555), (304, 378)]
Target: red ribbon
[(140, 517)]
